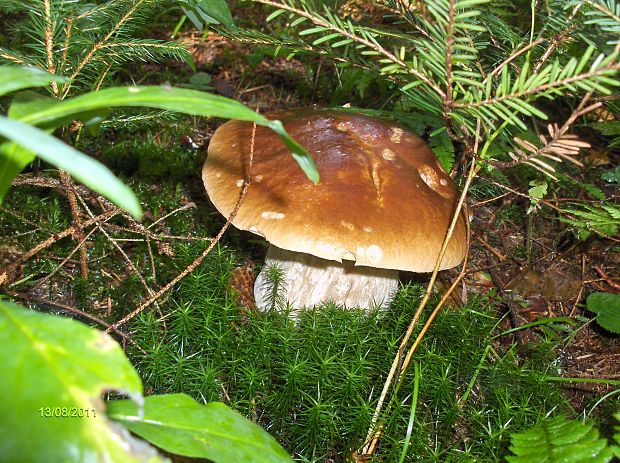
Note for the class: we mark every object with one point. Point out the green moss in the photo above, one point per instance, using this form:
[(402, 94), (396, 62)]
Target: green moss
[(315, 383)]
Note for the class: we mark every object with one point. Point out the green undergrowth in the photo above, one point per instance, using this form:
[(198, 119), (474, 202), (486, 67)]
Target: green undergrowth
[(313, 384)]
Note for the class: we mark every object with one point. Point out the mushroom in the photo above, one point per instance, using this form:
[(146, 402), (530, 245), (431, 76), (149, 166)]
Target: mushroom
[(384, 204)]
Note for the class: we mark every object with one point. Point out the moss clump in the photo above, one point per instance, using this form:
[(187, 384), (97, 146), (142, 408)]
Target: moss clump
[(314, 384)]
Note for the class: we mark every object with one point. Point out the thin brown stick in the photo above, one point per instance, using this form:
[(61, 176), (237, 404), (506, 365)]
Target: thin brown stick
[(557, 40), (15, 59), (51, 240), (189, 205), (66, 259), (609, 280), (512, 57), (132, 267), (19, 216), (190, 268), (434, 313), (81, 313), (77, 219)]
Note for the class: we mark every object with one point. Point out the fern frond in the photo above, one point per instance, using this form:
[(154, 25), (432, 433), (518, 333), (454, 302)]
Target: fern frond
[(609, 129), (560, 440), (603, 219)]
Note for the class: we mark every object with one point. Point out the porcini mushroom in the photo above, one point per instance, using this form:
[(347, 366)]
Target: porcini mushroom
[(384, 204)]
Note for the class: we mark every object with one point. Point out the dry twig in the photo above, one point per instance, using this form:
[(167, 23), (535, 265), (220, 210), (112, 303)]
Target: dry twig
[(190, 268)]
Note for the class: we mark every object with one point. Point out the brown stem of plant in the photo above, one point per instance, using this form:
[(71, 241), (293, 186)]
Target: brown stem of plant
[(49, 42), (190, 268), (447, 106), (78, 236)]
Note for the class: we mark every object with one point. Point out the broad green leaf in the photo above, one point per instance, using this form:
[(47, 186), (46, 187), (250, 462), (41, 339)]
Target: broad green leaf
[(607, 306), (28, 102), (559, 440), (217, 9), (13, 159), (14, 78), (172, 99), (85, 169), (617, 433), (51, 367), (180, 425)]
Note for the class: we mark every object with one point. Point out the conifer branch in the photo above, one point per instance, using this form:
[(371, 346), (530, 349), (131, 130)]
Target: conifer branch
[(319, 21), (49, 42), (12, 57), (447, 108), (100, 44), (607, 70), (560, 145)]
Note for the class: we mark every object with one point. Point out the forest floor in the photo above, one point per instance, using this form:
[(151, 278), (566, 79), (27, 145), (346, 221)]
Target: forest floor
[(527, 279)]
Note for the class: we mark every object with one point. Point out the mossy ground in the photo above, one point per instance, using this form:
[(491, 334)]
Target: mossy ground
[(314, 383)]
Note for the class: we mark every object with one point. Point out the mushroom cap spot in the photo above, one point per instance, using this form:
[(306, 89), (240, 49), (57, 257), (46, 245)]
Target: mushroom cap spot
[(429, 176), (239, 183), (397, 222), (374, 253), (388, 154), (396, 134), (347, 225), (272, 215), (348, 255), (258, 178)]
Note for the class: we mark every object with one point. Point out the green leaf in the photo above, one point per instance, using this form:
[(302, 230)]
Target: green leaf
[(607, 306), (85, 169), (303, 158), (442, 146), (539, 189), (612, 176), (210, 10), (28, 102), (172, 99), (13, 159), (14, 78), (55, 366), (559, 440), (180, 425)]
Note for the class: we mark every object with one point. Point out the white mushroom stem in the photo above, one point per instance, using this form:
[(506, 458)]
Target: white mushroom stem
[(307, 281)]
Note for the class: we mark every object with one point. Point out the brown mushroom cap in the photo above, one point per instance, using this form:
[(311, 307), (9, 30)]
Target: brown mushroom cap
[(383, 201)]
